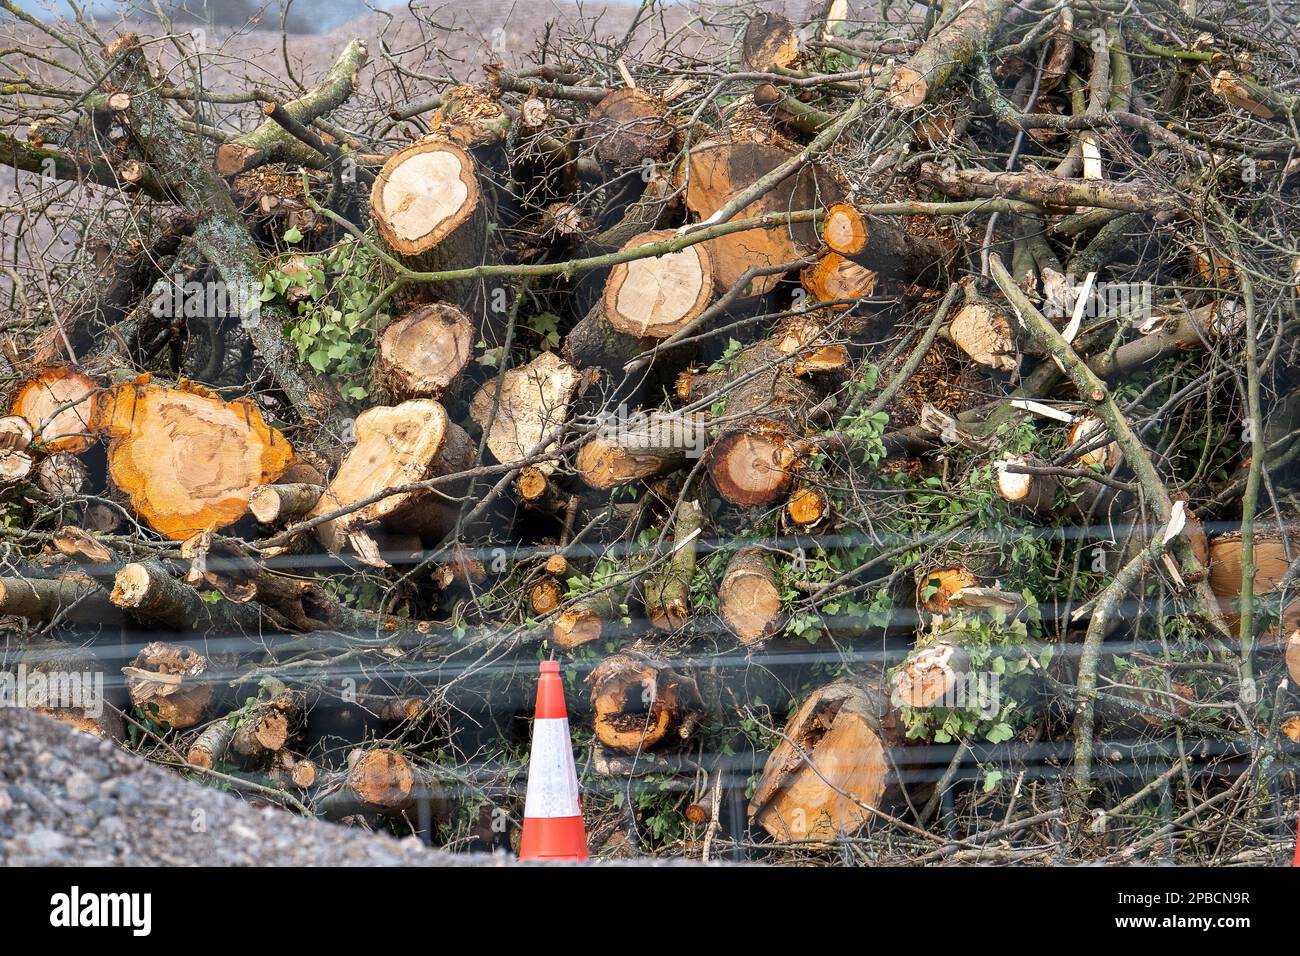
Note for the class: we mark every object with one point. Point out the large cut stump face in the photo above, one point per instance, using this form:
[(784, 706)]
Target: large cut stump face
[(658, 297), (186, 459), (423, 194), (395, 446), (721, 170)]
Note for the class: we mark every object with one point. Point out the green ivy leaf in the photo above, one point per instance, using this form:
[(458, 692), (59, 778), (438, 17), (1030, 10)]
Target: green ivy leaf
[(999, 732)]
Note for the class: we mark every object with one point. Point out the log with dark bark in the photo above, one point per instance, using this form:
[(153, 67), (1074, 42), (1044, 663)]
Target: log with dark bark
[(584, 620), (1018, 485), (151, 594), (898, 258), (73, 597)]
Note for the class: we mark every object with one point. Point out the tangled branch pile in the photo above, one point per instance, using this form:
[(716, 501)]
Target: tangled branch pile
[(879, 413)]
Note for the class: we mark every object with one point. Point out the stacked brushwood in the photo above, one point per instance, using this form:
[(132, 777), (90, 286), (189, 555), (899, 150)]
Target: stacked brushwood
[(861, 412)]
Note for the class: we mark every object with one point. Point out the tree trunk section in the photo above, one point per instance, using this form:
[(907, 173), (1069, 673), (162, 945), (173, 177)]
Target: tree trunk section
[(641, 703), (60, 404), (658, 297), (396, 445), (422, 354), (187, 460), (748, 598), (428, 208), (722, 168), (832, 767)]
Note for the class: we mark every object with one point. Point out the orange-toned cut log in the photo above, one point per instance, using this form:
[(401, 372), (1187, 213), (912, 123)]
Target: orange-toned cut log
[(721, 169), (831, 768), (845, 229), (1271, 564), (188, 460), (929, 676), (935, 589), (60, 403), (833, 278), (639, 702)]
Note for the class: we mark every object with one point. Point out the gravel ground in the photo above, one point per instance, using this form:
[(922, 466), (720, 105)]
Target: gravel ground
[(69, 799)]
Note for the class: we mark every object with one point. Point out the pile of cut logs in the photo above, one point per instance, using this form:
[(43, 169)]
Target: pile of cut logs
[(775, 385)]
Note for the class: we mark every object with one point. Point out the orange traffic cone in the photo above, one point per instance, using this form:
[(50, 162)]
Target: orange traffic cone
[(553, 827), (1296, 859)]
